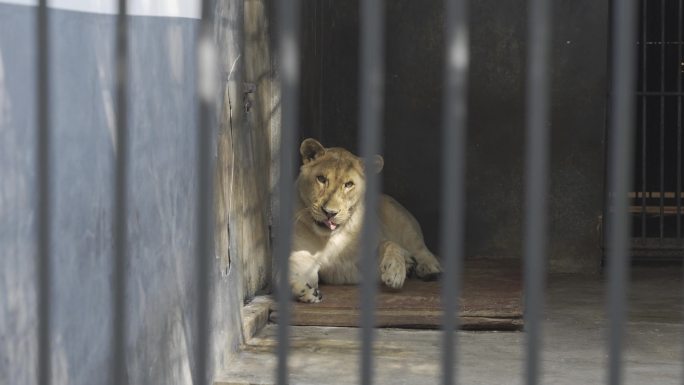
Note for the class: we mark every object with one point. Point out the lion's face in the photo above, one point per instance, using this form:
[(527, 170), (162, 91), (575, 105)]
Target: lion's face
[(331, 184)]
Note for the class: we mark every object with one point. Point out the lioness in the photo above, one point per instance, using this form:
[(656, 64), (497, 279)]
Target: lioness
[(327, 228)]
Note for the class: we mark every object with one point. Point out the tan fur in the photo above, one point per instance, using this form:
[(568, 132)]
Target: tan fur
[(333, 180)]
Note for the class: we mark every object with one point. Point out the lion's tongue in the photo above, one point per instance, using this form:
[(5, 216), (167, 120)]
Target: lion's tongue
[(330, 224)]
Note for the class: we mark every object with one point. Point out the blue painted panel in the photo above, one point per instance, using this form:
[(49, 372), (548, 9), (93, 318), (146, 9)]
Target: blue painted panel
[(162, 190)]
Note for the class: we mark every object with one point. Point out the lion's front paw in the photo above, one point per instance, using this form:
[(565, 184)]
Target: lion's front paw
[(428, 270), (304, 292), (393, 270)]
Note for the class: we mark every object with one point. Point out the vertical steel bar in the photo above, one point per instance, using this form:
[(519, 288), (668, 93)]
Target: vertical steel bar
[(288, 47), (118, 375), (43, 185), (679, 122), (454, 131), (206, 79), (619, 177), (536, 177), (644, 59), (371, 89), (662, 120), (680, 41)]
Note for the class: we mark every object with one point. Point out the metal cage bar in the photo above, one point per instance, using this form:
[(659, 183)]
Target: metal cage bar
[(680, 9), (679, 126), (206, 76), (288, 51), (661, 217), (43, 184), (371, 88), (644, 66), (120, 201), (619, 176), (454, 134), (536, 180)]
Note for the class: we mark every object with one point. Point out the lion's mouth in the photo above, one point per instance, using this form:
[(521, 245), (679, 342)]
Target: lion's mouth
[(328, 224)]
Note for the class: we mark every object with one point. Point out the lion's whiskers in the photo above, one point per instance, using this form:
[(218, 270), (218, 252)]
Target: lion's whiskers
[(298, 215)]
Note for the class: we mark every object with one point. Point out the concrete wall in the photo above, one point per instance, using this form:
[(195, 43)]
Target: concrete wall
[(496, 122), (161, 295)]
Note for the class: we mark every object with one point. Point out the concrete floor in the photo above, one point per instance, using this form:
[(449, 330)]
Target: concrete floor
[(573, 353)]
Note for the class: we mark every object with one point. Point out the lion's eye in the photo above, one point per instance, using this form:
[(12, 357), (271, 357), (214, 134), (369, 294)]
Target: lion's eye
[(321, 179), (349, 184)]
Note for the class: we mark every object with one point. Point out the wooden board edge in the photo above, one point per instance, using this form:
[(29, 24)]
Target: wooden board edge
[(255, 316), (307, 310), (410, 320)]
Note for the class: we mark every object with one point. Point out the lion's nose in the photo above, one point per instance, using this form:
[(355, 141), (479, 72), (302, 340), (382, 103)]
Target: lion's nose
[(330, 213)]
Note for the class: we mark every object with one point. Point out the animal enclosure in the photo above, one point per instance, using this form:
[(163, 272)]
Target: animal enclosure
[(148, 151)]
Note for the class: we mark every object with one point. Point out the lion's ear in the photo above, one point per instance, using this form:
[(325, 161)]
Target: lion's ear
[(310, 150), (378, 163)]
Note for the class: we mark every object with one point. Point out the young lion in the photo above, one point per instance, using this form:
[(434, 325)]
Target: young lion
[(327, 227)]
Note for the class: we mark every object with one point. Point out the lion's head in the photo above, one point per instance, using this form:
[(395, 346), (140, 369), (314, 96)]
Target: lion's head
[(331, 184)]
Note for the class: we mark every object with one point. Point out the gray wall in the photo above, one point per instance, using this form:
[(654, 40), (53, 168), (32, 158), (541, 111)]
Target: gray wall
[(161, 295), (496, 122)]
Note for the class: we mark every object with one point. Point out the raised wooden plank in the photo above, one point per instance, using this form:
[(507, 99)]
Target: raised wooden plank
[(491, 300), (255, 316), (398, 319)]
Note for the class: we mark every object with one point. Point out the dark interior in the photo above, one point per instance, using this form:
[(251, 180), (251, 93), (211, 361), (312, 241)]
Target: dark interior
[(413, 90)]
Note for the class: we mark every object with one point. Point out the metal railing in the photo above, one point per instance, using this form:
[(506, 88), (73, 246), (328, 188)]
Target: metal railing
[(454, 118), (43, 152), (656, 196), (620, 153), (371, 102)]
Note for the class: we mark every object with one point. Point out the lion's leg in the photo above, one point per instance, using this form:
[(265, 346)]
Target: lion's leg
[(304, 278), (400, 226), (427, 267), (392, 258)]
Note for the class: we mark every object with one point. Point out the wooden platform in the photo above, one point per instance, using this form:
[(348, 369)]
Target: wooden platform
[(491, 300)]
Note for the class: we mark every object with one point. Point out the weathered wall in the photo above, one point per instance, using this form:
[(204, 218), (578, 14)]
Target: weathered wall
[(161, 294), (414, 49), (579, 107), (252, 146)]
